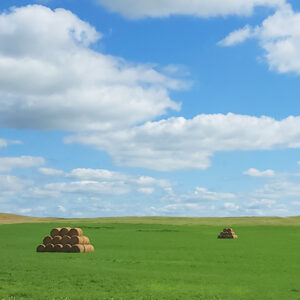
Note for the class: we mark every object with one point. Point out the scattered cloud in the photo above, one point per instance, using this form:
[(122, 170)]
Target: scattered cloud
[(9, 163), (50, 172), (278, 35), (52, 79), (179, 143), (256, 173), (237, 37), (135, 9)]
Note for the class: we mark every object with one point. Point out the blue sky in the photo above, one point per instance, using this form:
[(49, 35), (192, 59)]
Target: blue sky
[(175, 108)]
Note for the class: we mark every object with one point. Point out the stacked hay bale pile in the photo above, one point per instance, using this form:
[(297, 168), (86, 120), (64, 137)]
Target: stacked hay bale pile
[(66, 240), (227, 233)]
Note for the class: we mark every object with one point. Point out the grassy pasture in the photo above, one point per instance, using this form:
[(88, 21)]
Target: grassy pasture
[(153, 258)]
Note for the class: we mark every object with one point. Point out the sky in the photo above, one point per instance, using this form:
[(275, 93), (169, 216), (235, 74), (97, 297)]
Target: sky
[(150, 108)]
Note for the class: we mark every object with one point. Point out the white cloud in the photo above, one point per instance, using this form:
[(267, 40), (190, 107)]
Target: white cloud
[(179, 143), (204, 193), (13, 184), (237, 36), (50, 172), (5, 143), (9, 163), (231, 206), (61, 208), (279, 36), (146, 190), (51, 79), (200, 8), (89, 187), (256, 173)]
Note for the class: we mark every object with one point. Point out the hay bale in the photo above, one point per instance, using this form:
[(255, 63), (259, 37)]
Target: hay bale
[(81, 240), (40, 248), (77, 248), (49, 248), (66, 248), (55, 232), (58, 248), (88, 248), (57, 240), (47, 240), (64, 231), (65, 240), (76, 232)]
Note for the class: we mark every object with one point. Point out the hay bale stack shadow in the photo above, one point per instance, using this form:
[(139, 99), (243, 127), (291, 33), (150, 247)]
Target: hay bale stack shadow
[(67, 240), (227, 233)]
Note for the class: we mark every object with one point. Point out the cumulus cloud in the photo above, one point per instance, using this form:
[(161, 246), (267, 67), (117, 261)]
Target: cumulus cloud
[(278, 35), (91, 182), (179, 143), (256, 173), (51, 78), (199, 8), (9, 163)]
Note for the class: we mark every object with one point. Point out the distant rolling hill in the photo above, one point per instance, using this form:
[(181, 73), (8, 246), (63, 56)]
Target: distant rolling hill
[(231, 221)]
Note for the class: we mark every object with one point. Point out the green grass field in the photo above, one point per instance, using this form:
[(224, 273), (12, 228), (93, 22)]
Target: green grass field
[(153, 258)]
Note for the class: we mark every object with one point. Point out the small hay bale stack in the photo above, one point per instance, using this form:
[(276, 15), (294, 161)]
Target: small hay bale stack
[(76, 232), (81, 240), (66, 248), (40, 248), (64, 231), (54, 232), (58, 248), (65, 240), (227, 233), (49, 248), (47, 240)]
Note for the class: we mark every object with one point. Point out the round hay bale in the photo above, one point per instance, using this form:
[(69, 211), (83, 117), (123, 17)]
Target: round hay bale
[(77, 248), (82, 240), (65, 240), (66, 248), (58, 248), (64, 231), (76, 231), (47, 240), (88, 248), (40, 248), (57, 240), (49, 248), (55, 232)]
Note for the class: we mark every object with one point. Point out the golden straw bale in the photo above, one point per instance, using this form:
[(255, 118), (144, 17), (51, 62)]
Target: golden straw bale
[(77, 248), (66, 248), (40, 248), (88, 248), (65, 240), (76, 231), (64, 231), (55, 232), (82, 240), (49, 248), (47, 240), (57, 240), (58, 248)]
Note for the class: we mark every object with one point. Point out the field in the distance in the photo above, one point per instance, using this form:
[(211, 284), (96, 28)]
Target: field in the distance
[(153, 258)]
